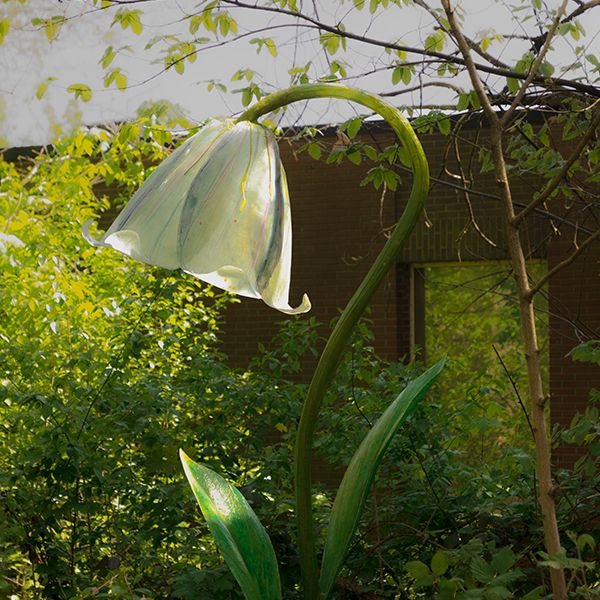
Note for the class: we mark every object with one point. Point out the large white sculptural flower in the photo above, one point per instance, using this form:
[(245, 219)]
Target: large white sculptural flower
[(217, 208)]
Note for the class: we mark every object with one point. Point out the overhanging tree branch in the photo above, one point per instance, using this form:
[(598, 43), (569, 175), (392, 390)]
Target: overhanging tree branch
[(534, 67), (563, 263), (552, 82), (475, 46), (560, 176)]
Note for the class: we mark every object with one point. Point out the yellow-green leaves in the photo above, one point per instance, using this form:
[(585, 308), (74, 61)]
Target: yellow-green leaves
[(81, 90), (118, 77), (402, 74), (331, 42), (267, 43), (238, 533), (129, 18), (352, 493), (435, 41), (42, 87), (108, 57), (4, 27), (51, 26)]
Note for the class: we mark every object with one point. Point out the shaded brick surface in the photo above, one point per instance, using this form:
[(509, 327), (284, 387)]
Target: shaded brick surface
[(339, 226)]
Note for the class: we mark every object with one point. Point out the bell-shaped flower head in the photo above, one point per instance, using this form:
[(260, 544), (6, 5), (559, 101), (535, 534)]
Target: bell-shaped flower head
[(217, 208)]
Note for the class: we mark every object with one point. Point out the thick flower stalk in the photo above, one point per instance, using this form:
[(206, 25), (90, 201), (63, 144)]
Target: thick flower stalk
[(217, 208), (338, 339)]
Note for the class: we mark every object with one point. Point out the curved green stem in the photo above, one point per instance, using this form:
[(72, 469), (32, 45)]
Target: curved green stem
[(337, 342)]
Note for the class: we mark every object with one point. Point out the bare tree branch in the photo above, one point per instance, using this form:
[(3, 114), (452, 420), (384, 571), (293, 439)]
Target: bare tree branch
[(472, 44), (545, 82), (533, 71), (537, 396), (443, 84), (563, 263), (472, 67), (540, 40), (560, 176)]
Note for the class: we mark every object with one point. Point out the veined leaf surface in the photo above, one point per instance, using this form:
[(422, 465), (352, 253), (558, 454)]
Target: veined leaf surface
[(352, 493), (238, 533)]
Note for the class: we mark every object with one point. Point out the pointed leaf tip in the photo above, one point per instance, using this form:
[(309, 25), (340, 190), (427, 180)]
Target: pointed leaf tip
[(238, 533), (352, 493)]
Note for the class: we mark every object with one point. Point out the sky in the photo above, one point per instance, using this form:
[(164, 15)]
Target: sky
[(28, 59)]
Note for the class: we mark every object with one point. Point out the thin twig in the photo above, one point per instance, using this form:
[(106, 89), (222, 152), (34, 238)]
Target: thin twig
[(535, 67), (514, 386), (559, 177), (562, 264)]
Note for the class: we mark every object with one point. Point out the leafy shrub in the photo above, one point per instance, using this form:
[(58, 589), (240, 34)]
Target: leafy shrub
[(109, 367)]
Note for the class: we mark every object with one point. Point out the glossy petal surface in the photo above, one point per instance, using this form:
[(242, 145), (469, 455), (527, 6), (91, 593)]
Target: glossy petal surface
[(218, 208)]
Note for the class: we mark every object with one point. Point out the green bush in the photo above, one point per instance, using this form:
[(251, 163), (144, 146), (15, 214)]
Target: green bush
[(108, 367)]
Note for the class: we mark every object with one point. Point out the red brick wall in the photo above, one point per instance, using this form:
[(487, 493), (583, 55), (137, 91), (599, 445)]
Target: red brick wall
[(574, 317), (339, 227)]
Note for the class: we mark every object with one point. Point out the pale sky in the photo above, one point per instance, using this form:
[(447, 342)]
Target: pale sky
[(27, 59)]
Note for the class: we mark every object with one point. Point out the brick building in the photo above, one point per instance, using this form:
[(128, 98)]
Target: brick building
[(339, 226)]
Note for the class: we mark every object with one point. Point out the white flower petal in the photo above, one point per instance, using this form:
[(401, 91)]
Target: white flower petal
[(147, 228), (217, 208)]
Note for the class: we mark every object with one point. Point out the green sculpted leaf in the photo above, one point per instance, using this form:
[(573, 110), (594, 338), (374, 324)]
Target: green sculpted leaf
[(240, 537), (352, 494)]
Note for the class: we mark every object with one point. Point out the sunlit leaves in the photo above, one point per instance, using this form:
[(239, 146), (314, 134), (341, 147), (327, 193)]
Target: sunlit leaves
[(247, 74), (486, 41), (267, 43), (129, 19), (466, 100), (332, 42), (213, 21), (402, 74), (212, 85), (250, 92), (572, 28), (435, 41), (107, 57), (43, 87), (51, 26), (179, 52), (299, 74), (81, 90), (4, 27), (118, 77), (337, 70), (99, 354)]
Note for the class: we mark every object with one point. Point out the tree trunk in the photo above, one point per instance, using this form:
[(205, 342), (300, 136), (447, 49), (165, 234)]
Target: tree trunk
[(534, 375)]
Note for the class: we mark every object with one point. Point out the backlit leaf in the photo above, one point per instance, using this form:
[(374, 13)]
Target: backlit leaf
[(238, 533), (352, 493)]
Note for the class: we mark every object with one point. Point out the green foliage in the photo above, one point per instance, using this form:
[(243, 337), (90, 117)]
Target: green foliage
[(238, 533), (109, 366), (99, 357), (356, 483), (487, 384)]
